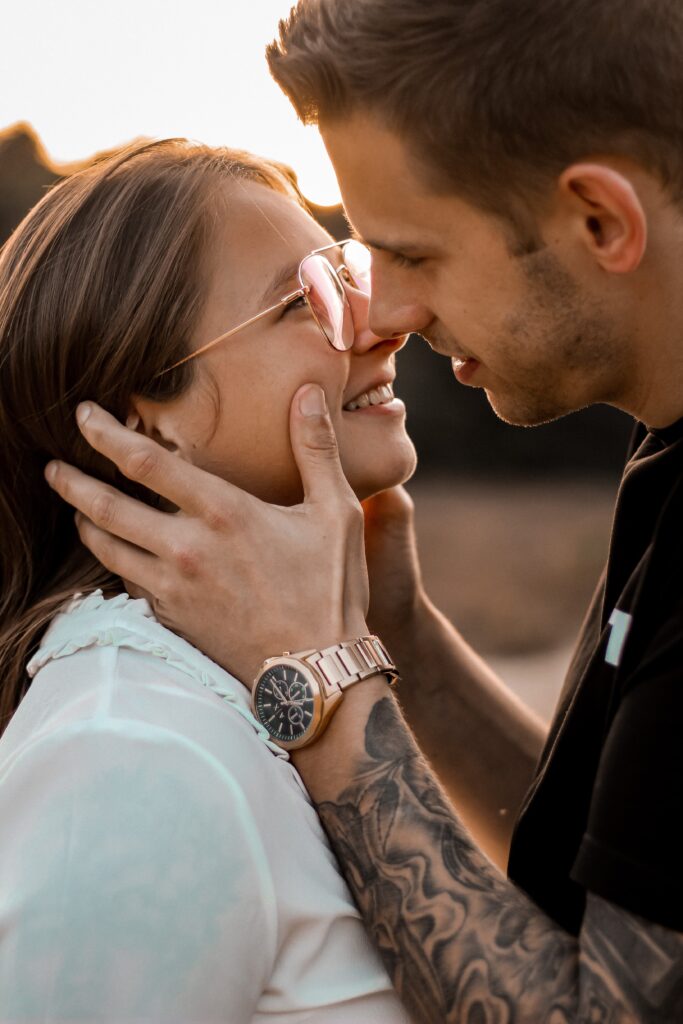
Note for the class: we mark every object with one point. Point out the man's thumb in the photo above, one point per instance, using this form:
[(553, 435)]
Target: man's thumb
[(314, 444)]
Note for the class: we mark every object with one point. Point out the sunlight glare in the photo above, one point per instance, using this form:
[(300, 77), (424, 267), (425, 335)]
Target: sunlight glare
[(89, 76)]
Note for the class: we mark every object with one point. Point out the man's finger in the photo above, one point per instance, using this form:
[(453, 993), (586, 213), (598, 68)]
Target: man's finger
[(121, 558), (393, 507), (147, 463), (109, 509), (314, 444)]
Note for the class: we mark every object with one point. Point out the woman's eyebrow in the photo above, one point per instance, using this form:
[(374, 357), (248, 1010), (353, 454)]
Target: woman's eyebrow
[(282, 277)]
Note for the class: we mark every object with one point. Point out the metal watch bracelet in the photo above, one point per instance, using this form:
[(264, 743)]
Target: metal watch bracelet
[(351, 661)]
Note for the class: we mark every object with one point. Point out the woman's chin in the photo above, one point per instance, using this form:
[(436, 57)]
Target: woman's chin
[(369, 480)]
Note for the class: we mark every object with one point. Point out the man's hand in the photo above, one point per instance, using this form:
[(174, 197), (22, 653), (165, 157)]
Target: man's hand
[(241, 579), (396, 591)]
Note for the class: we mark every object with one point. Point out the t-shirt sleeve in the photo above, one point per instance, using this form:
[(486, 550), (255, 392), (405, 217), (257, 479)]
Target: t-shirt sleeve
[(632, 851), (133, 883)]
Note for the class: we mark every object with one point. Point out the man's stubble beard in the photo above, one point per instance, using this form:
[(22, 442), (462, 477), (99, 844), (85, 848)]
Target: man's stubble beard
[(564, 345)]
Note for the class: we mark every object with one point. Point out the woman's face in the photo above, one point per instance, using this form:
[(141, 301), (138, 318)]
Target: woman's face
[(234, 419)]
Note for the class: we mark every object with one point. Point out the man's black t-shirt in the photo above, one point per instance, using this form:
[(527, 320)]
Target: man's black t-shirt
[(603, 811)]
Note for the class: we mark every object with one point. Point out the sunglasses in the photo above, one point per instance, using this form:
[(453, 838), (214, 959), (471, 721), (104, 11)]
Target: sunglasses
[(323, 286)]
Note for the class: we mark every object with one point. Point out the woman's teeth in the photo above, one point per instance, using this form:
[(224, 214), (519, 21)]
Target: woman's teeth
[(378, 396)]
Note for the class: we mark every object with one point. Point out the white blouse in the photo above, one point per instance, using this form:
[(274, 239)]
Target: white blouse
[(160, 859)]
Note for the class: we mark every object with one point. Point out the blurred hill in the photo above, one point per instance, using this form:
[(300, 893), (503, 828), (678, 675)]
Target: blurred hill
[(25, 173), (453, 427)]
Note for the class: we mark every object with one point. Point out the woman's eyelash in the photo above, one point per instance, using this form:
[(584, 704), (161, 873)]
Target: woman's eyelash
[(297, 303)]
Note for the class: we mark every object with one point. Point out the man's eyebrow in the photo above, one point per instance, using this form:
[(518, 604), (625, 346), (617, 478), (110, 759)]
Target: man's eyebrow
[(284, 276), (407, 248)]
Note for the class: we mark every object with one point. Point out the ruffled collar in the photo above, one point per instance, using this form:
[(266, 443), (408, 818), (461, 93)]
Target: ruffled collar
[(122, 621)]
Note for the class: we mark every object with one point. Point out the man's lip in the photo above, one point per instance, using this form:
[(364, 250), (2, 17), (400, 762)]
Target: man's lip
[(464, 369), (449, 352)]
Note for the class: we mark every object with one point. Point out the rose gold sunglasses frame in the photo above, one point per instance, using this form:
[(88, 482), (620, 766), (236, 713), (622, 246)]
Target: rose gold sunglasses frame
[(301, 292)]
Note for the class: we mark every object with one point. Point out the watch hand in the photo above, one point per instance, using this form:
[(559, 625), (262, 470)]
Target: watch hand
[(278, 692)]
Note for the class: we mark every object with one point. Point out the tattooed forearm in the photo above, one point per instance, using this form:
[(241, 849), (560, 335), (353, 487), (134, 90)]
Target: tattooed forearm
[(460, 941)]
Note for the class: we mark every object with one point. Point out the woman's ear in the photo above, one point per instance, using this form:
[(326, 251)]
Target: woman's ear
[(612, 220), (155, 420)]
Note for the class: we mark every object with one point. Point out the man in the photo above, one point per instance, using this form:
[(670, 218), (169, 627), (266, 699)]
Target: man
[(517, 171)]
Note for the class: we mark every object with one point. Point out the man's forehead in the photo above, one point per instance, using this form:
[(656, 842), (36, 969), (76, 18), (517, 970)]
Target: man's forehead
[(388, 204), (399, 227)]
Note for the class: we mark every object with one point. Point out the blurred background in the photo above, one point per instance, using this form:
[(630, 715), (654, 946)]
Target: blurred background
[(513, 523)]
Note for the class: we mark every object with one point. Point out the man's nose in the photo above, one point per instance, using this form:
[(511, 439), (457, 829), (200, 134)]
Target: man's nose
[(366, 336), (395, 310), (390, 320)]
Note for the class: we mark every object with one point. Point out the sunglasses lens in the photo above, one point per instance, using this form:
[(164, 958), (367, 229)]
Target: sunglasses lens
[(357, 259), (328, 301)]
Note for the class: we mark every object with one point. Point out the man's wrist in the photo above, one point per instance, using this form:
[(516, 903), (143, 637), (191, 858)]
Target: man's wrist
[(403, 634), (392, 619), (328, 764)]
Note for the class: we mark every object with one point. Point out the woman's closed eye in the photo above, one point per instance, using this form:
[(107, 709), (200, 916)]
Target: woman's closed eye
[(298, 303)]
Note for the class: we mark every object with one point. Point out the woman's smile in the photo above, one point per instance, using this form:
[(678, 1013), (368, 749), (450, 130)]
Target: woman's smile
[(378, 394)]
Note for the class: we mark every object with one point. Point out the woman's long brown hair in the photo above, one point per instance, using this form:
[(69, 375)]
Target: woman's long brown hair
[(100, 289)]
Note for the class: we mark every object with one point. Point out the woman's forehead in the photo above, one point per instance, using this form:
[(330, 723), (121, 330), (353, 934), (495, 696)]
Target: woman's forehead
[(261, 237), (257, 219)]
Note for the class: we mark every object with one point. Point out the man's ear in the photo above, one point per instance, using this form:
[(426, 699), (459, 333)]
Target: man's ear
[(155, 420), (613, 221)]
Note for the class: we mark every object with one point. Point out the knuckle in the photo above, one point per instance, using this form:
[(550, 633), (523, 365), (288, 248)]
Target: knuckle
[(186, 560), (322, 440), (103, 510), (216, 518), (140, 463)]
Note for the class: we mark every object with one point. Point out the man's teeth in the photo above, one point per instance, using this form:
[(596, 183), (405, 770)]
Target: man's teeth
[(378, 396)]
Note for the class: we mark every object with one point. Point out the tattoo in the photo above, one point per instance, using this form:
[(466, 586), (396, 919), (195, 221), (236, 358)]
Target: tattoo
[(460, 942), (631, 969)]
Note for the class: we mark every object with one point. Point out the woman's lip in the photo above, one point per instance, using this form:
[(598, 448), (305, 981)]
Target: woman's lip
[(384, 383), (464, 369), (393, 407)]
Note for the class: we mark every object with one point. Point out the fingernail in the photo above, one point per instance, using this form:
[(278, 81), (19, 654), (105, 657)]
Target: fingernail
[(133, 421), (50, 471), (83, 412), (312, 401)]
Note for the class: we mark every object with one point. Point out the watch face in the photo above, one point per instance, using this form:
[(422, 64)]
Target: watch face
[(284, 701)]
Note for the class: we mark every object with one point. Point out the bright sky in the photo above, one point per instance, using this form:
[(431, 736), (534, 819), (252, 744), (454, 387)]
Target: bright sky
[(90, 74)]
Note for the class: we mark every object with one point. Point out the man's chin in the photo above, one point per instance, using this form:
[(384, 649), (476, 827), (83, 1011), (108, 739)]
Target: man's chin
[(525, 411)]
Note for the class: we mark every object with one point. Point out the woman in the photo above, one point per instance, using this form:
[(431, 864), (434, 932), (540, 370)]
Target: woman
[(159, 857)]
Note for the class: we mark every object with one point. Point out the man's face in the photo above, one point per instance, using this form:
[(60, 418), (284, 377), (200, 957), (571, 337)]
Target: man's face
[(530, 329)]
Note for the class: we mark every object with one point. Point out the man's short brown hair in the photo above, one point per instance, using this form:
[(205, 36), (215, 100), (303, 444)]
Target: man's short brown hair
[(496, 96)]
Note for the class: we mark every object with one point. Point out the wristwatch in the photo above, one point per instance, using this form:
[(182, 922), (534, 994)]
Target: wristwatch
[(295, 695)]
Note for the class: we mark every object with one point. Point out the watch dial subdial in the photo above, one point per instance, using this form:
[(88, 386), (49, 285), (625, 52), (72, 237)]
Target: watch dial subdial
[(295, 715), (297, 690)]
